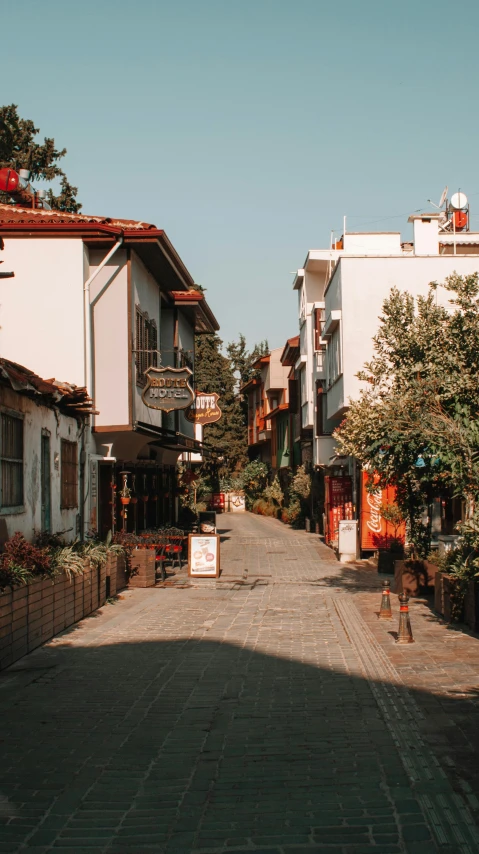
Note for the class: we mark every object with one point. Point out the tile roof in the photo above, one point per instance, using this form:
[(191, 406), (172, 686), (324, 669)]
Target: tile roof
[(74, 399), (15, 214)]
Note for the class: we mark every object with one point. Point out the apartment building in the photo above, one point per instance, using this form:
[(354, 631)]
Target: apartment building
[(341, 291)]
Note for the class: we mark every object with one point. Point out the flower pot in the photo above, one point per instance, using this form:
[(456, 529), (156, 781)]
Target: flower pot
[(145, 498), (134, 500), (124, 499)]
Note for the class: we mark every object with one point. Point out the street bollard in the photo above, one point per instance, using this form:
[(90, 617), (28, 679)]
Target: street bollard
[(404, 633), (385, 612)]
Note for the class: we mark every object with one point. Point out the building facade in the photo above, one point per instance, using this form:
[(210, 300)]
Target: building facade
[(105, 303), (341, 291)]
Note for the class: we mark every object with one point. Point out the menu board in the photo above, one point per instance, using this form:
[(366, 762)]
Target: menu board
[(204, 555)]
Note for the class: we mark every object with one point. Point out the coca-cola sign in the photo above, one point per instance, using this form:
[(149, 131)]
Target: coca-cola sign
[(168, 389), (376, 533)]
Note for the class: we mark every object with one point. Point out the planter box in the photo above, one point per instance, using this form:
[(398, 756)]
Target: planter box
[(142, 568), (415, 578), (443, 594), (387, 560)]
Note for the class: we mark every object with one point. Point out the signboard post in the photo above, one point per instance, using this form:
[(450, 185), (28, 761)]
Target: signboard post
[(204, 555)]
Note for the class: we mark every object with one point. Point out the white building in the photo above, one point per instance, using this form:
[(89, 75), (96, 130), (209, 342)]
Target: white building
[(340, 296), (341, 291), (99, 301), (43, 432)]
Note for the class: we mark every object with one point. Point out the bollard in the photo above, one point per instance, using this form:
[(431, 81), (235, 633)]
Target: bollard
[(385, 612), (404, 633)]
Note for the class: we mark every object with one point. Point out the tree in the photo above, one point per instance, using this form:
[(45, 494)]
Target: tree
[(226, 440), (242, 360), (20, 150), (415, 424)]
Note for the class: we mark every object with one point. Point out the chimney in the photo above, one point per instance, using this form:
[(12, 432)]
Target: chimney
[(426, 233)]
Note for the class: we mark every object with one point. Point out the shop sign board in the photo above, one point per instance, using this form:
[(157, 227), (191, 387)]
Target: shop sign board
[(376, 533), (204, 555), (204, 409), (168, 389)]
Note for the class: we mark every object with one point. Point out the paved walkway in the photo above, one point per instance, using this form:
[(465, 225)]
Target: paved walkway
[(269, 711)]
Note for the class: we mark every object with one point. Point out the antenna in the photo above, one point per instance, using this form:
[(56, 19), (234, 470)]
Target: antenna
[(441, 201)]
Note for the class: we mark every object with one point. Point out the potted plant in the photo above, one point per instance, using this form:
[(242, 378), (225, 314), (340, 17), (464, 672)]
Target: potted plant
[(125, 495)]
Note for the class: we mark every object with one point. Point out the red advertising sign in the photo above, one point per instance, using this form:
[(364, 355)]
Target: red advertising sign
[(339, 504), (376, 533)]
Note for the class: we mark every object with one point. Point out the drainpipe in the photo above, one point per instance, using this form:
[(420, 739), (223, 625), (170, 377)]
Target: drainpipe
[(87, 355)]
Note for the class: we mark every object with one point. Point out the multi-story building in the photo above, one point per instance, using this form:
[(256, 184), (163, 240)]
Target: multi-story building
[(267, 396), (341, 291), (108, 303)]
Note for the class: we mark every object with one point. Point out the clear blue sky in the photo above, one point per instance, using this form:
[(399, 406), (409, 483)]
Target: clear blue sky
[(248, 128)]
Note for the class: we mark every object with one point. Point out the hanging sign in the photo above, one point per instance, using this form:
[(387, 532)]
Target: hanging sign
[(204, 409), (204, 556), (168, 389), (376, 533)]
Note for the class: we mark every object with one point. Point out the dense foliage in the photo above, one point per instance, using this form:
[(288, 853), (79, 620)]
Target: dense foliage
[(21, 561), (416, 422), (226, 441), (19, 149)]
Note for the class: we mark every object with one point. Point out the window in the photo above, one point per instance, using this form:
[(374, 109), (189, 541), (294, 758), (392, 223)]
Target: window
[(334, 356), (319, 321), (321, 417), (69, 475), (304, 387), (146, 345), (293, 396), (12, 460)]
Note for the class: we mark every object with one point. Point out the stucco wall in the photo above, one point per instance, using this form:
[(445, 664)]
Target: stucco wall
[(59, 426), (41, 308), (359, 289), (110, 338)]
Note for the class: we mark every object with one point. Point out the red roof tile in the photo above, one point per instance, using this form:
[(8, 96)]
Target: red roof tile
[(15, 214), (64, 395)]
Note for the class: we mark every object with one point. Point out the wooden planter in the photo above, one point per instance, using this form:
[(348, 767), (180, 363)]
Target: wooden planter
[(415, 578)]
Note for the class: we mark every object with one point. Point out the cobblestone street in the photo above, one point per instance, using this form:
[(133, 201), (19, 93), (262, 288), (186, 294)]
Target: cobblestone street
[(268, 711)]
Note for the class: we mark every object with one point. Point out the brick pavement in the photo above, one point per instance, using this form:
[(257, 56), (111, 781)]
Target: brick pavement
[(268, 711)]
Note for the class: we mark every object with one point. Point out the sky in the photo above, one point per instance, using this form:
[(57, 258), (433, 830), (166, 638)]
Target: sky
[(247, 129)]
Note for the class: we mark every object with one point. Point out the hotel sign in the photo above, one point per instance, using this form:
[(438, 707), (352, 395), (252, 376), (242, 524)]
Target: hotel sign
[(168, 389), (204, 409)]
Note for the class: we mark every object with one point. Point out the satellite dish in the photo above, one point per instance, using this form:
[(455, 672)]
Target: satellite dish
[(443, 197), (458, 201)]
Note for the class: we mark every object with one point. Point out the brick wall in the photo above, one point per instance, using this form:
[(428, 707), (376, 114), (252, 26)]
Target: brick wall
[(142, 568), (33, 614)]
